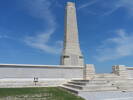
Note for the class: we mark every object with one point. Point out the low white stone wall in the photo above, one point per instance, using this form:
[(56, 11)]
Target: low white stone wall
[(40, 71), (48, 75)]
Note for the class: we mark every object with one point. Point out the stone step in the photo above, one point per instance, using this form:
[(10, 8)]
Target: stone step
[(125, 88), (98, 81), (73, 90), (80, 80), (91, 81), (78, 83), (110, 79), (76, 91), (74, 86), (95, 82), (100, 84), (124, 84), (108, 84), (92, 87), (106, 75), (100, 88), (124, 81)]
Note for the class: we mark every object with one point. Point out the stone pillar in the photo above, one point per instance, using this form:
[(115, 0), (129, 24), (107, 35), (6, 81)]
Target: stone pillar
[(71, 54), (89, 72), (120, 70)]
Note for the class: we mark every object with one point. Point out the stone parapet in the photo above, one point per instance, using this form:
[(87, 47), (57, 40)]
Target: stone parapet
[(120, 70), (40, 71), (130, 72), (89, 71)]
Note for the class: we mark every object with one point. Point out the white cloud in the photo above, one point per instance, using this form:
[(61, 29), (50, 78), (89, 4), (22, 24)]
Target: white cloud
[(117, 47), (127, 4), (41, 9), (110, 11), (110, 6), (87, 4)]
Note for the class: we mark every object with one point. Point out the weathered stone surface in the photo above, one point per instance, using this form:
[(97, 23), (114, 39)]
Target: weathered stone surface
[(130, 72), (71, 71), (89, 71), (101, 82), (120, 70), (29, 82), (71, 54), (29, 71), (112, 95)]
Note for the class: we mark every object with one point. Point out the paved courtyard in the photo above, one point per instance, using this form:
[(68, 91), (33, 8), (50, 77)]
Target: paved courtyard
[(107, 95)]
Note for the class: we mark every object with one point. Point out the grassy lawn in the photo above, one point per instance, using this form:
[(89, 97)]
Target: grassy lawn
[(46, 93)]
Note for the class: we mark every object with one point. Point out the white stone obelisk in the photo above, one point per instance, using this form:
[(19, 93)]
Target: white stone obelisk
[(71, 54)]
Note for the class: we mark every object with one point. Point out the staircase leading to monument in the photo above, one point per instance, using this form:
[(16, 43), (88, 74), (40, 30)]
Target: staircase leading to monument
[(101, 82)]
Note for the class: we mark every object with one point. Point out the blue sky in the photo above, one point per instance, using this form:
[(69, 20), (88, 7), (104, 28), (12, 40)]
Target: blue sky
[(31, 31)]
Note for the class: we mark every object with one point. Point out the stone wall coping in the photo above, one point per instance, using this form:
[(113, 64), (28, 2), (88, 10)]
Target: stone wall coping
[(40, 66), (31, 79), (40, 79), (130, 68)]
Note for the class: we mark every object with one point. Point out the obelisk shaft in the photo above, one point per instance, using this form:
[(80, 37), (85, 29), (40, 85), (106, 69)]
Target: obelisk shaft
[(71, 52)]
